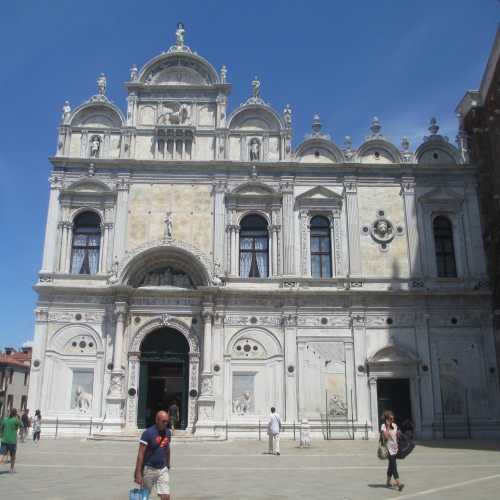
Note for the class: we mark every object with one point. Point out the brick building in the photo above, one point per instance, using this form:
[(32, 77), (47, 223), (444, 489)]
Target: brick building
[(14, 379)]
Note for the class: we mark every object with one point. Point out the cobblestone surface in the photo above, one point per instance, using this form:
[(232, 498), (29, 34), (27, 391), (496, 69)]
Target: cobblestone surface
[(239, 470)]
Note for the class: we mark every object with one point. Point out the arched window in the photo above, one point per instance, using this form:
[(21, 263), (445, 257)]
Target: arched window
[(445, 253), (254, 247), (321, 248), (86, 244)]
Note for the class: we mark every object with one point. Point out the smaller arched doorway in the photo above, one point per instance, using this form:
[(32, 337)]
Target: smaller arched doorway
[(164, 375)]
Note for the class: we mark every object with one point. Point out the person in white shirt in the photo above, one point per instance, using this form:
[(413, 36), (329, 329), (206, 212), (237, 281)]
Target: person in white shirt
[(273, 431), (391, 433)]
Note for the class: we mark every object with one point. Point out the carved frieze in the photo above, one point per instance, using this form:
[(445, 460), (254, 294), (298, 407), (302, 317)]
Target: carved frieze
[(77, 316), (237, 320), (320, 321)]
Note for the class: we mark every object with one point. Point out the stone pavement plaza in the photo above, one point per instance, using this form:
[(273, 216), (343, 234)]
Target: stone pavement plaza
[(80, 469)]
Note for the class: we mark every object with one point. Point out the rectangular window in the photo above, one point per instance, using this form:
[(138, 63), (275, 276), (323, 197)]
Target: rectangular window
[(24, 402), (10, 402), (11, 375), (26, 378)]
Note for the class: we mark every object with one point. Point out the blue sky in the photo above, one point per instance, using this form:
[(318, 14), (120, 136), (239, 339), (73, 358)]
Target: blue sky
[(403, 61)]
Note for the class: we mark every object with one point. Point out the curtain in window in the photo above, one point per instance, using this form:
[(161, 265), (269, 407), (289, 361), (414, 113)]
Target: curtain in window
[(445, 252), (86, 244), (245, 256), (261, 256), (321, 250)]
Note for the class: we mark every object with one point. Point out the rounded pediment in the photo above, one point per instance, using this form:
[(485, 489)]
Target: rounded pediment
[(88, 185), (255, 118), (97, 115), (178, 69), (167, 264), (437, 150), (393, 355), (319, 150), (378, 150)]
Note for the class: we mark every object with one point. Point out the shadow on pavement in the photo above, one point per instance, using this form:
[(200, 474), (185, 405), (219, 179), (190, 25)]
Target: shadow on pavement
[(462, 444)]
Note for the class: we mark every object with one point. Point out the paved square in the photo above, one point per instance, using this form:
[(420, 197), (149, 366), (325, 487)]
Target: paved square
[(238, 470)]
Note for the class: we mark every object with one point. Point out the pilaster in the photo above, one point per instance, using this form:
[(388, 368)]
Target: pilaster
[(353, 236), (410, 211), (219, 191), (286, 187), (49, 247), (290, 343), (361, 378), (121, 218)]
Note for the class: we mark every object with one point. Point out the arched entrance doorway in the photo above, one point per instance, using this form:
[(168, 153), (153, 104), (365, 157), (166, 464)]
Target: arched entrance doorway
[(164, 375)]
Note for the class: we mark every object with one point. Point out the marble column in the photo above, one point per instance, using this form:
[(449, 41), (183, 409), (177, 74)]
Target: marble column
[(372, 382), (286, 187), (121, 218), (290, 366), (68, 244), (274, 232), (218, 364), (49, 247), (234, 253), (207, 342), (38, 358), (353, 236), (301, 379), (121, 309), (410, 211)]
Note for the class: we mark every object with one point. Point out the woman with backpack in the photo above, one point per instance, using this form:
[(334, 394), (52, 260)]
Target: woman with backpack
[(390, 434)]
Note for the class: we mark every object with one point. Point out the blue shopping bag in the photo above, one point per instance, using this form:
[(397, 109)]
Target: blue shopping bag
[(138, 494)]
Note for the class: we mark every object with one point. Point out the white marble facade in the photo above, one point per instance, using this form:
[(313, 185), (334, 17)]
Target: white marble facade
[(171, 180)]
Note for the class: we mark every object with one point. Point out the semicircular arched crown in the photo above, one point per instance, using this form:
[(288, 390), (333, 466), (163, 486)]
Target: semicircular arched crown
[(270, 344), (255, 118), (170, 263), (392, 354), (436, 149), (63, 339), (178, 68), (97, 114), (377, 149), (319, 150)]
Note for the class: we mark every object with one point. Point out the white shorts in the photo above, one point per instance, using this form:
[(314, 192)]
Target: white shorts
[(157, 477)]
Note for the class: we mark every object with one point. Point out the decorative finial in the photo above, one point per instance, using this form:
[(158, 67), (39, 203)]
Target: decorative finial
[(133, 72), (348, 152), (434, 127), (405, 143), (256, 88), (66, 110), (253, 173), (316, 124), (287, 115), (375, 126), (101, 84), (223, 74), (179, 35)]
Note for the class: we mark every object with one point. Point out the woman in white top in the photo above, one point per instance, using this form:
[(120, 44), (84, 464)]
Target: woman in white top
[(391, 433)]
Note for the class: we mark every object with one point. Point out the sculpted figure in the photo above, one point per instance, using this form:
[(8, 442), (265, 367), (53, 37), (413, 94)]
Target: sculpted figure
[(95, 146), (254, 150), (83, 400), (66, 110), (382, 228), (223, 74), (179, 35), (168, 226), (256, 87), (101, 84)]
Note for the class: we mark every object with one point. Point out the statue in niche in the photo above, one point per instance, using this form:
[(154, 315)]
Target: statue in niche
[(83, 400), (254, 149), (95, 146), (166, 276), (337, 407), (169, 220)]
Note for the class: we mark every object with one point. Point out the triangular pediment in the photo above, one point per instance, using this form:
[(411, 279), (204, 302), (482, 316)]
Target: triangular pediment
[(319, 198)]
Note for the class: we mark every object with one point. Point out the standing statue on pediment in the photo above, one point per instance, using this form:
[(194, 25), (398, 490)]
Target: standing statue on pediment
[(66, 110), (179, 35), (256, 88), (101, 84), (223, 74)]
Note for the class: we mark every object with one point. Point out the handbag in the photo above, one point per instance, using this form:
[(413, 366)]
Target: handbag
[(138, 494), (382, 451), (405, 446)]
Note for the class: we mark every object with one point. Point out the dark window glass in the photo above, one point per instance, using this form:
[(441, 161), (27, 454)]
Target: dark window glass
[(321, 248), (445, 253), (254, 247), (86, 244)]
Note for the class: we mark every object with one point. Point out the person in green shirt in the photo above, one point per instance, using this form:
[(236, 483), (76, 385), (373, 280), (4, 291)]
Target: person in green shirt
[(9, 428)]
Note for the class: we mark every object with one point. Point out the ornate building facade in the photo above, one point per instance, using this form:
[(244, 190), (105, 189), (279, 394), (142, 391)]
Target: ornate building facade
[(192, 254), (479, 116)]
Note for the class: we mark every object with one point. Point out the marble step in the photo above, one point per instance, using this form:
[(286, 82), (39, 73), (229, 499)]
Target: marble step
[(133, 437)]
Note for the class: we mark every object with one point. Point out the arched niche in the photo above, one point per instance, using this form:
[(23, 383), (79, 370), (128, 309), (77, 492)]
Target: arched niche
[(255, 117), (378, 151)]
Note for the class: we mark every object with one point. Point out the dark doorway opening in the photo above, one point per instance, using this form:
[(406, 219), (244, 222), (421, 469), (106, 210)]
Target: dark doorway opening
[(394, 394), (164, 376)]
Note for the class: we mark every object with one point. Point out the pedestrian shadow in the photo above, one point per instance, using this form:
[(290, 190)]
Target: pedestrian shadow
[(4, 472), (379, 486)]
